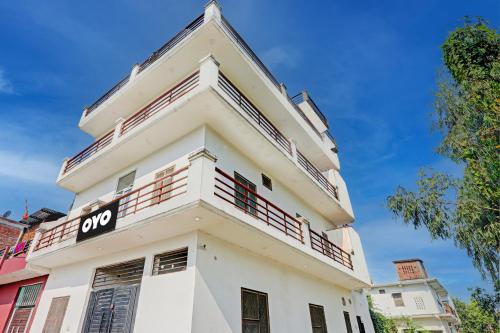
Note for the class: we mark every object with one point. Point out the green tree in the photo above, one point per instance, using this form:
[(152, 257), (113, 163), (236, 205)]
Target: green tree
[(479, 315), (467, 113)]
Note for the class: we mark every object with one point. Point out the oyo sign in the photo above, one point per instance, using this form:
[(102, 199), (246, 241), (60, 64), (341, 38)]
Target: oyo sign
[(98, 222)]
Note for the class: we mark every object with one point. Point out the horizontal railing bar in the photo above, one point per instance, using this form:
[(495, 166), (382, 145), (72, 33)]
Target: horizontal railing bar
[(69, 228)]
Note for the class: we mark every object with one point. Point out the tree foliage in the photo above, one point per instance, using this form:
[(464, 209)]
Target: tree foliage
[(467, 113), (480, 314), (381, 323)]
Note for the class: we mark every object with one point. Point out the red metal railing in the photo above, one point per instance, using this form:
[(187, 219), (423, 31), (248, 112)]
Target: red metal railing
[(165, 99), (327, 248), (313, 171), (154, 193), (89, 151), (230, 190), (254, 113)]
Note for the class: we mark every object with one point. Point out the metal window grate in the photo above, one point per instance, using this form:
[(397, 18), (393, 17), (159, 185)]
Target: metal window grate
[(170, 262), (126, 273), (28, 295)]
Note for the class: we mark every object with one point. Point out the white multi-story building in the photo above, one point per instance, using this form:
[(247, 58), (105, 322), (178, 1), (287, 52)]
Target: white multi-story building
[(417, 297), (209, 202)]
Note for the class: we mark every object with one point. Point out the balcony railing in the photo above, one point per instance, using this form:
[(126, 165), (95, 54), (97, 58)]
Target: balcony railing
[(303, 96), (237, 194), (150, 60), (191, 27), (327, 248), (89, 151), (249, 51), (18, 249), (154, 193), (313, 171), (251, 110), (164, 100)]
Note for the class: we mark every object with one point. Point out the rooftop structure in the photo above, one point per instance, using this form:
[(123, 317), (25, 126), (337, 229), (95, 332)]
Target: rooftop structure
[(416, 296)]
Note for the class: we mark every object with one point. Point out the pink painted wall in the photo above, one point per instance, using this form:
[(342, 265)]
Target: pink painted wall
[(8, 293)]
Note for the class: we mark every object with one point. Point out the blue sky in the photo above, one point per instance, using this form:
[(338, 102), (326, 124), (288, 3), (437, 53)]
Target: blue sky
[(371, 66)]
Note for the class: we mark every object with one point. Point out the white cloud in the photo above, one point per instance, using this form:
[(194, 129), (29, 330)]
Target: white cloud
[(26, 167), (5, 84), (279, 56)]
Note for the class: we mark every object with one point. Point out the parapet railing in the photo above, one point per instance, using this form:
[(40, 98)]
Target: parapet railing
[(324, 246), (151, 194), (189, 29), (89, 151), (254, 113), (164, 100), (313, 171), (239, 195)]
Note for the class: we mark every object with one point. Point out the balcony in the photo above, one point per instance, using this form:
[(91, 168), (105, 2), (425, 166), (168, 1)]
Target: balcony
[(210, 34), (202, 98), (202, 197), (13, 266)]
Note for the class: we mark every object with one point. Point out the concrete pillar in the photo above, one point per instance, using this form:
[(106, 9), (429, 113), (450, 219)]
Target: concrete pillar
[(118, 129), (134, 72), (212, 11), (201, 175), (209, 72)]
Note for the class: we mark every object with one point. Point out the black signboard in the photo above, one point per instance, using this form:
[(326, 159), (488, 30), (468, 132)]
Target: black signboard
[(98, 222)]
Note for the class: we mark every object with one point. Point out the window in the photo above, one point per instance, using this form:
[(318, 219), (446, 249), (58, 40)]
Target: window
[(254, 312), (244, 193), (170, 262), (267, 182), (318, 321), (23, 308), (163, 186), (381, 291), (419, 302), (398, 299), (55, 317), (347, 320), (122, 274), (125, 184), (361, 325)]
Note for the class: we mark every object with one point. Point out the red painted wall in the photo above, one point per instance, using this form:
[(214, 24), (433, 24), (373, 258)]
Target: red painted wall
[(8, 293)]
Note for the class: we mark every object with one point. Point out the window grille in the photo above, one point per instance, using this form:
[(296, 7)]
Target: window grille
[(126, 273), (170, 262), (398, 299)]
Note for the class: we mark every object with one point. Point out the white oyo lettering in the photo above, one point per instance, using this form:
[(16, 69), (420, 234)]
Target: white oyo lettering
[(106, 216), (95, 220), (87, 224)]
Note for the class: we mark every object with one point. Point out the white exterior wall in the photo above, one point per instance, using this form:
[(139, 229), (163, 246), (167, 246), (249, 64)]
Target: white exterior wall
[(163, 298), (384, 303), (145, 170), (228, 159), (223, 269)]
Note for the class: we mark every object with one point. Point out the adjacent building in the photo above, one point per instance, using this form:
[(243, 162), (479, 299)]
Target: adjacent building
[(210, 202), (21, 284), (415, 296)]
